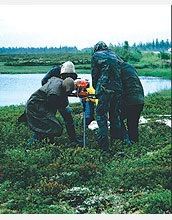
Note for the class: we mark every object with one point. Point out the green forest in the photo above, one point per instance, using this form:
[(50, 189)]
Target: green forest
[(156, 45)]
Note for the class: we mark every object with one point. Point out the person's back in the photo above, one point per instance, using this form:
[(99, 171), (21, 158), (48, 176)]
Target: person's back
[(132, 88), (108, 89), (52, 87), (55, 71), (106, 71), (132, 102), (42, 106)]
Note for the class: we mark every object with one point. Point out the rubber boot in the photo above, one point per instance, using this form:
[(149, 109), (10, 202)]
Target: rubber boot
[(35, 137)]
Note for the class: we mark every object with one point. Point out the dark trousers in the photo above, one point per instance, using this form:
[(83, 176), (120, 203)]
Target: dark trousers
[(108, 103), (132, 114)]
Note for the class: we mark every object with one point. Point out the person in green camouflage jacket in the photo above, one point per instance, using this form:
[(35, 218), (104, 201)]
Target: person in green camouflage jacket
[(108, 89), (108, 71)]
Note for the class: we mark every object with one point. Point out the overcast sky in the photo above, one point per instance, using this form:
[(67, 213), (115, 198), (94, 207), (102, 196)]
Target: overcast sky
[(82, 25)]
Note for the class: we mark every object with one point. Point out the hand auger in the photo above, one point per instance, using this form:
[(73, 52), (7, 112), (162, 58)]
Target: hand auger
[(83, 94), (83, 99)]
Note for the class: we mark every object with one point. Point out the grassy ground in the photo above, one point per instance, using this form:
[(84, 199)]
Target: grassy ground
[(158, 72), (36, 69), (66, 179), (149, 65), (23, 69)]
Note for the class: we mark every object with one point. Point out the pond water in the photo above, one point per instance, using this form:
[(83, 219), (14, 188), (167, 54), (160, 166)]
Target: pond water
[(15, 89)]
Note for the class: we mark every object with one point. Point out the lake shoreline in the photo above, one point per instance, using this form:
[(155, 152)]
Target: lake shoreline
[(73, 103), (165, 76), (15, 89)]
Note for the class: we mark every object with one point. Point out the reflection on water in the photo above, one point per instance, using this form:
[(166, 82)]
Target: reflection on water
[(16, 89)]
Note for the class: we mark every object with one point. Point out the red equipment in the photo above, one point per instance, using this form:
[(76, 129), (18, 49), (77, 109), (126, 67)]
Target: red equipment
[(80, 86), (81, 92)]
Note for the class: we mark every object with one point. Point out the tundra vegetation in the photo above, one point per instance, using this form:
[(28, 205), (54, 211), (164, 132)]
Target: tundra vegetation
[(64, 178)]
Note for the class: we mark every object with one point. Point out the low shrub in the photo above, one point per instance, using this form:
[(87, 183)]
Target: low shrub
[(64, 178), (149, 202)]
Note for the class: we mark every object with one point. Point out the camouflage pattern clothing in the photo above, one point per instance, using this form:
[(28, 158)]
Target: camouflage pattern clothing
[(132, 88), (108, 89), (108, 103)]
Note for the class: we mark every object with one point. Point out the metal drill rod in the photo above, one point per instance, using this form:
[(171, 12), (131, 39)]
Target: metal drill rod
[(83, 98), (84, 134), (84, 122)]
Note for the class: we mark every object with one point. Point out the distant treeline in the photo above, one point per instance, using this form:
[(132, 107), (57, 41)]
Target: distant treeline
[(34, 50), (156, 45), (161, 46)]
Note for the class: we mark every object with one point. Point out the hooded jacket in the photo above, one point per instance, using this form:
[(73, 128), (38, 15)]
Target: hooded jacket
[(133, 93), (106, 73), (42, 106), (110, 74)]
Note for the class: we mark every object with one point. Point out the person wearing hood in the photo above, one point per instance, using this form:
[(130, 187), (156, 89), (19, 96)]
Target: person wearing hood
[(120, 92), (108, 89), (42, 106)]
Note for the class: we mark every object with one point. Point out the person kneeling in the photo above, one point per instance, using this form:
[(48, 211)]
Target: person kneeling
[(42, 106)]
